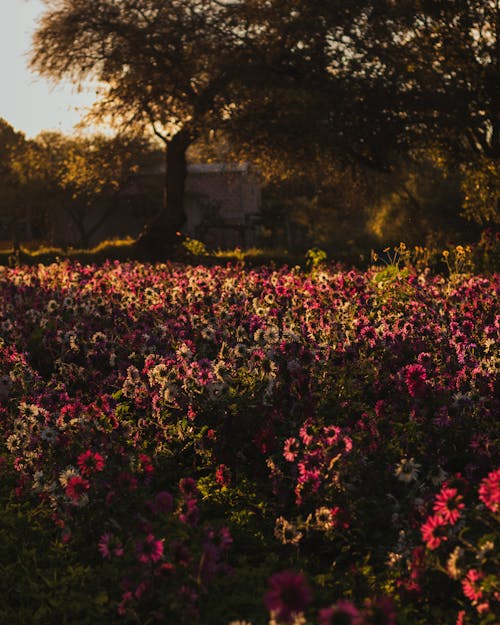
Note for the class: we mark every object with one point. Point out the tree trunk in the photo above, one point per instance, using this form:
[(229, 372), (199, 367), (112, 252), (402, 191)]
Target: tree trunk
[(159, 236)]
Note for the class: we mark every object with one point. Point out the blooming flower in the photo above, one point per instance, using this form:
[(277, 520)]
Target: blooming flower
[(342, 613), (471, 585), (288, 595), (448, 504), (433, 531), (407, 470), (286, 532), (489, 491), (76, 489), (415, 378), (149, 549), (90, 462), (109, 545)]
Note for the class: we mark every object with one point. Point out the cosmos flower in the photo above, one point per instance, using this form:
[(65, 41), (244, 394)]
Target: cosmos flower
[(76, 489), (90, 462), (149, 549), (288, 595), (342, 613), (448, 504), (471, 584), (407, 470), (415, 378), (489, 491), (433, 531)]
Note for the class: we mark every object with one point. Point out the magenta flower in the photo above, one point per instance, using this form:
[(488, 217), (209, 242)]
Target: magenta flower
[(149, 550), (90, 462), (77, 488), (288, 595), (342, 613), (109, 545), (489, 491), (448, 505), (415, 378)]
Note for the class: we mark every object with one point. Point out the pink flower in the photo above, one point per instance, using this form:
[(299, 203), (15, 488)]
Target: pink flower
[(460, 618), (149, 550), (89, 462), (187, 486), (342, 613), (471, 586), (290, 449), (145, 465), (76, 488), (288, 595), (489, 491), (448, 505), (415, 378), (108, 545), (223, 475), (432, 531)]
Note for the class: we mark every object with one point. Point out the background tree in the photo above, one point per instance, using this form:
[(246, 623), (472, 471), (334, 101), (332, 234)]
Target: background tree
[(11, 210), (168, 65), (68, 176)]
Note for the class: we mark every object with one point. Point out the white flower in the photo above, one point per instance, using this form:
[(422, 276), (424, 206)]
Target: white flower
[(286, 532), (407, 470), (67, 474)]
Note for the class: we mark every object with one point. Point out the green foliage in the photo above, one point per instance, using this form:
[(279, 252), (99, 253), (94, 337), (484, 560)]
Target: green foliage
[(42, 580), (195, 247), (315, 257)]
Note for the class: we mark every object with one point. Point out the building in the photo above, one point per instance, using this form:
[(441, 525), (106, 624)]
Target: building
[(222, 204)]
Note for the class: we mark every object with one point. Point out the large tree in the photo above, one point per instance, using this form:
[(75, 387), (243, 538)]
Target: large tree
[(295, 81), (166, 65)]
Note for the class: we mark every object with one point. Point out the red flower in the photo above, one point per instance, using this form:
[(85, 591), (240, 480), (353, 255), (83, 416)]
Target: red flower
[(432, 531), (448, 505), (471, 586), (90, 462), (288, 595), (489, 491), (415, 378), (76, 488)]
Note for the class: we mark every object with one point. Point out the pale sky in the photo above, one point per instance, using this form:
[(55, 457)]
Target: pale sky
[(28, 102)]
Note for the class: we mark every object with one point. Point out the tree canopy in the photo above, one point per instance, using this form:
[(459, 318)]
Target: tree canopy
[(296, 82)]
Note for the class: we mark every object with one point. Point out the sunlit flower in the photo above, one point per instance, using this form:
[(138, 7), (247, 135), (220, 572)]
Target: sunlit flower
[(452, 564), (286, 532)]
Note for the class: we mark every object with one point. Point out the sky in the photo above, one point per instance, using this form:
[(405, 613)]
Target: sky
[(27, 102)]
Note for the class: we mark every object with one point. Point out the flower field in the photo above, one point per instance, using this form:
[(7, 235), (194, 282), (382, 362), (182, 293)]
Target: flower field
[(193, 445)]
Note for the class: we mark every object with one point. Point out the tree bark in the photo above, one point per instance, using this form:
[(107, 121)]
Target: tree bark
[(160, 235)]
